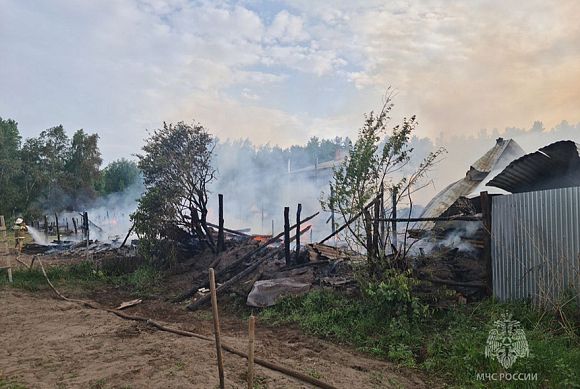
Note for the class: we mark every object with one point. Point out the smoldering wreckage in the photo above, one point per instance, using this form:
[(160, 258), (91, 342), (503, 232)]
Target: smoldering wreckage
[(456, 245)]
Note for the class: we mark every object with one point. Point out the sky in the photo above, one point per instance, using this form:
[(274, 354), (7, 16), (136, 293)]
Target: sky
[(280, 72)]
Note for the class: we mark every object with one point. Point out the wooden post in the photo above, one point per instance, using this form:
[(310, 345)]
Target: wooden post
[(127, 236), (287, 235), (332, 218), (4, 235), (369, 235), (298, 211), (376, 232), (221, 239), (57, 229), (86, 225), (216, 327), (46, 226), (486, 216), (382, 211), (251, 335), (394, 223), (74, 220)]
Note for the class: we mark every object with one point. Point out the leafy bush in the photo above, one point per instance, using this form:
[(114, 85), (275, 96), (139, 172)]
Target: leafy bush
[(390, 323)]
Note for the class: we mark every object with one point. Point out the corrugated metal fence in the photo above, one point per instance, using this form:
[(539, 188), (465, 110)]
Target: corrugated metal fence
[(536, 244)]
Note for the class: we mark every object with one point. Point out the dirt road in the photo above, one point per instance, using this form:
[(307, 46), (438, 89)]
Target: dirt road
[(49, 343)]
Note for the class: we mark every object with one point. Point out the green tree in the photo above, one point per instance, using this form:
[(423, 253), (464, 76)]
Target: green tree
[(177, 169), (378, 161), (10, 198), (82, 168), (119, 175)]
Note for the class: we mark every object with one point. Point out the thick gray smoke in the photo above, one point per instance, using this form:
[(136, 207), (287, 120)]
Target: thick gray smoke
[(464, 150), (258, 184), (108, 217)]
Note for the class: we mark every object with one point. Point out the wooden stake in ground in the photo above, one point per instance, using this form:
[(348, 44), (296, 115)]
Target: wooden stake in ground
[(57, 228), (287, 235), (216, 327), (298, 210), (251, 335), (221, 245)]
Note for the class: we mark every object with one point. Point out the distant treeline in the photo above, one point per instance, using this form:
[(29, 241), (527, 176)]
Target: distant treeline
[(53, 173)]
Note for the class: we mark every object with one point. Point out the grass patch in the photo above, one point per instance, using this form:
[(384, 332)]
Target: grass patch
[(6, 383), (82, 274), (447, 343), (144, 281)]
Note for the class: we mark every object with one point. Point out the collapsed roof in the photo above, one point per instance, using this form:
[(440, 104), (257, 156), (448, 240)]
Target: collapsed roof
[(495, 160), (554, 166)]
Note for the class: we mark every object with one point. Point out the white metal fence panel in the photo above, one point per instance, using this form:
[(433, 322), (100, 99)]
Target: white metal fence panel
[(536, 244)]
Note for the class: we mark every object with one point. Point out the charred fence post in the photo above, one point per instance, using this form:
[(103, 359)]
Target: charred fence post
[(394, 223), (57, 228), (376, 232), (332, 216), (486, 216), (382, 212), (46, 226), (86, 227), (298, 211), (369, 235), (221, 239), (74, 220), (287, 235)]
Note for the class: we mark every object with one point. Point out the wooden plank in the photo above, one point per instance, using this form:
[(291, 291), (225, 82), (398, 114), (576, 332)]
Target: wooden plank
[(298, 233), (287, 235), (486, 216), (251, 338), (221, 245), (216, 328)]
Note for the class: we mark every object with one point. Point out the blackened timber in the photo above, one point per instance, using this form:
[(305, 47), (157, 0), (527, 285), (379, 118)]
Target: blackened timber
[(57, 228), (433, 219), (352, 219), (376, 233), (234, 265), (298, 232), (287, 235), (221, 239), (394, 222), (233, 232), (204, 299), (127, 236)]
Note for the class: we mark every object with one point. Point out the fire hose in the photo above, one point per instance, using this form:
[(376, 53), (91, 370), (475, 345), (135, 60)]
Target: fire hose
[(262, 362)]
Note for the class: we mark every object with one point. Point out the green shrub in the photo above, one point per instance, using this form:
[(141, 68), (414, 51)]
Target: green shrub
[(390, 323)]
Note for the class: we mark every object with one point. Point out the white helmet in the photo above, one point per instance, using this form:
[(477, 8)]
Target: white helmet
[(19, 220)]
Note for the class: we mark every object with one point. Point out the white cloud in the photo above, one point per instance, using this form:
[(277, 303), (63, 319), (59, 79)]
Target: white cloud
[(287, 28), (121, 67)]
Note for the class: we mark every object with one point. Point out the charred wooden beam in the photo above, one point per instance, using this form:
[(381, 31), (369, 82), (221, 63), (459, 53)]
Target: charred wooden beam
[(221, 239), (287, 235), (204, 299), (352, 219), (57, 228), (433, 219), (298, 233), (239, 261)]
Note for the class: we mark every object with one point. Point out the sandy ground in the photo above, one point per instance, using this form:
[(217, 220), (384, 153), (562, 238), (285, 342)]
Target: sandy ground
[(50, 343)]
